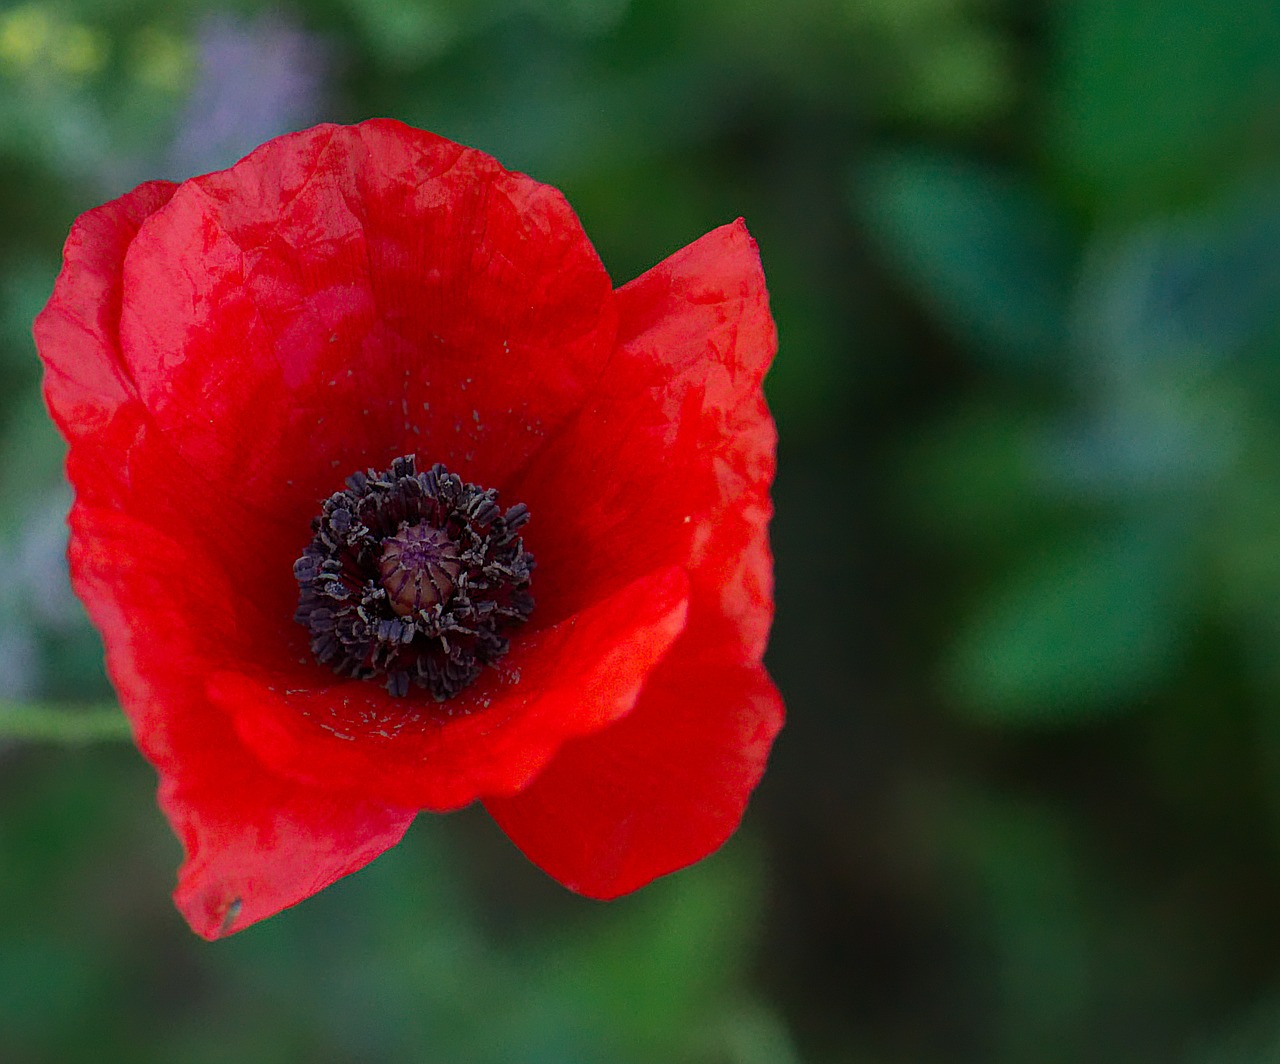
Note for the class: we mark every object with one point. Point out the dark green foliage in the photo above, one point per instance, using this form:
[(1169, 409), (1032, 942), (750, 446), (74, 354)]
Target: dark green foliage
[(1025, 261)]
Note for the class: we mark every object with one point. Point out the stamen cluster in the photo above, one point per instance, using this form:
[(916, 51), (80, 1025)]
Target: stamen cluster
[(415, 577)]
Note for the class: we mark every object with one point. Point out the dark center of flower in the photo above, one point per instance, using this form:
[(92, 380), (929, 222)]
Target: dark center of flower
[(419, 566), (413, 577)]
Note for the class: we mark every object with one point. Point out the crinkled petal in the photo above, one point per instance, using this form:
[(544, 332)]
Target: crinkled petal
[(660, 789), (670, 461), (221, 355), (77, 332), (682, 445), (255, 842), (340, 297), (557, 683), (351, 294), (120, 458)]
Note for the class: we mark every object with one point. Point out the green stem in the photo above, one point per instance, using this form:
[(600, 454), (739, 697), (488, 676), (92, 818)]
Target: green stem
[(67, 725)]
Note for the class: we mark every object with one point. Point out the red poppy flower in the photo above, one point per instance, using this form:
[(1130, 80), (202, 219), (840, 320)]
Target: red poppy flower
[(563, 618)]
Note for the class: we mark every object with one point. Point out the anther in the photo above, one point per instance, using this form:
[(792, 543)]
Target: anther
[(413, 579)]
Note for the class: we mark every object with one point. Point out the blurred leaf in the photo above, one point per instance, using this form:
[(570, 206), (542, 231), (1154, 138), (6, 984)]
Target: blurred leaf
[(1146, 435), (586, 17), (29, 433), (1192, 290), (754, 1035), (936, 61), (982, 247), (1081, 628), (64, 725), (970, 479), (1254, 1038), (1031, 883), (1153, 96), (962, 75), (42, 981), (658, 970), (407, 33), (23, 291), (1242, 530)]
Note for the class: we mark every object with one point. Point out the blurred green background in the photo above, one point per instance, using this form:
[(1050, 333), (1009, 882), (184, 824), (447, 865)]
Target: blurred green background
[(1025, 262)]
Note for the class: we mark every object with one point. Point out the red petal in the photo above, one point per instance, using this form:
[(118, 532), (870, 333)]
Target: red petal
[(671, 460), (255, 842), (340, 297), (660, 789), (85, 379), (310, 304), (119, 458), (350, 294), (557, 683), (679, 450)]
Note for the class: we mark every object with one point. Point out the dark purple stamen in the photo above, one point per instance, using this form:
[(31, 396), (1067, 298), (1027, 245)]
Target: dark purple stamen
[(413, 577)]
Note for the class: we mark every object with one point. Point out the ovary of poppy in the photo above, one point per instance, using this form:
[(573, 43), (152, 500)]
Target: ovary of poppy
[(222, 354)]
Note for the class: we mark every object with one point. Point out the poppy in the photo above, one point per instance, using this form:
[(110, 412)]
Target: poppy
[(386, 501)]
